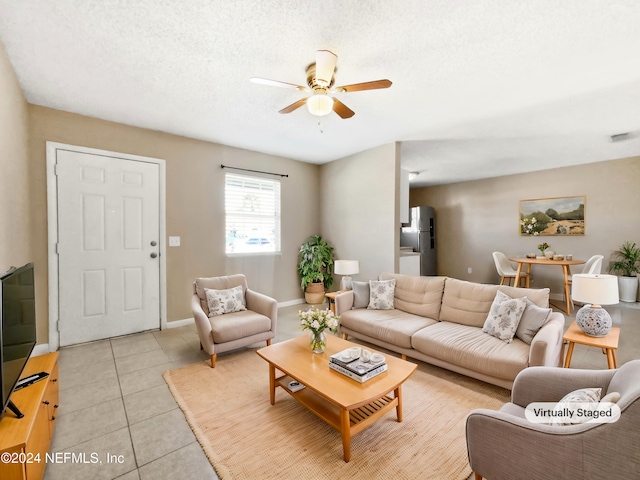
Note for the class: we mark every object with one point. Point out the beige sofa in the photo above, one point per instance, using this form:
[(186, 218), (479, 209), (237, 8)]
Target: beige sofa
[(439, 320)]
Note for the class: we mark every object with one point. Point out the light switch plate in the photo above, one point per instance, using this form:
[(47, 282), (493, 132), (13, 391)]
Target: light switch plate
[(174, 241)]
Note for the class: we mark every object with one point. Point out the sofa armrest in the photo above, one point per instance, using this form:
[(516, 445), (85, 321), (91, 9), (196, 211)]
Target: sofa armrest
[(264, 305), (547, 347), (344, 302), (550, 384), (203, 325)]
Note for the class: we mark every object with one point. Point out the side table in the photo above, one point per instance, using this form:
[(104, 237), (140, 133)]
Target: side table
[(608, 343), (332, 299)]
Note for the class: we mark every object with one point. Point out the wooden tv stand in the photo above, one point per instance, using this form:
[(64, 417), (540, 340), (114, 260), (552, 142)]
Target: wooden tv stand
[(25, 442)]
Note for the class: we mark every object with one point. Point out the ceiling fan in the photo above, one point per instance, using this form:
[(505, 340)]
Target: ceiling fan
[(320, 81)]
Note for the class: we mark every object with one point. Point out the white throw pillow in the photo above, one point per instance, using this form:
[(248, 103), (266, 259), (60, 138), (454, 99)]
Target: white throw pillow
[(504, 316), (584, 398), (381, 294), (225, 301), (612, 397)]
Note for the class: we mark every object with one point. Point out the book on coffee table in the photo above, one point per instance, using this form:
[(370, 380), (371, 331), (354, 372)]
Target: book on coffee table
[(382, 367), (356, 365)]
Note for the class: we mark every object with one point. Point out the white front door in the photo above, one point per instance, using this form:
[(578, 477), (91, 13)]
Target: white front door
[(108, 246)]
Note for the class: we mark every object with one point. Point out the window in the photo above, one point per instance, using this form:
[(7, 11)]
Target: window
[(252, 214)]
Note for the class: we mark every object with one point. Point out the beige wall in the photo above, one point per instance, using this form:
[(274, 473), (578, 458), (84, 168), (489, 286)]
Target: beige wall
[(359, 209), (195, 202), (476, 218), (15, 202)]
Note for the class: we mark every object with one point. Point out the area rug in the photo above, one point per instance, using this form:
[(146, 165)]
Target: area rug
[(245, 437)]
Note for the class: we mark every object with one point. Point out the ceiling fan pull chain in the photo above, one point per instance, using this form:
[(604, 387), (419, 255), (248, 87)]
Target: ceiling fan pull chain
[(320, 126)]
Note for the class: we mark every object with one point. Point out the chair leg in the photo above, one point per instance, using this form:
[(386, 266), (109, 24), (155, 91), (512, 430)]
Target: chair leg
[(268, 342), (345, 336), (201, 347), (477, 476), (502, 281), (213, 360)]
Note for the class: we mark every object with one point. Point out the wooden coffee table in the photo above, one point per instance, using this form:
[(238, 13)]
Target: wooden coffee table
[(345, 404)]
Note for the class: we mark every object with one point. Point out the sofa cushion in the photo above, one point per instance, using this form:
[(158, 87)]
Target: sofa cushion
[(391, 326), (418, 295), (381, 294), (469, 347), (468, 303), (539, 296), (504, 316), (232, 326)]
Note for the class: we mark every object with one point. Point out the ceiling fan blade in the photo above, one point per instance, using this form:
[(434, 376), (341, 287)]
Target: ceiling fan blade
[(294, 106), (342, 110), (277, 83), (356, 87), (325, 66)]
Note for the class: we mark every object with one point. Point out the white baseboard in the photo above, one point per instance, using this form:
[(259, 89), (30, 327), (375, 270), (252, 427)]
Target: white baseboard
[(180, 323), (189, 321), (290, 303), (40, 349)]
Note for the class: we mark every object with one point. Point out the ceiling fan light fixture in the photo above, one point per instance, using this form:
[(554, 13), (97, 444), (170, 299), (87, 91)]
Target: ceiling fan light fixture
[(320, 105)]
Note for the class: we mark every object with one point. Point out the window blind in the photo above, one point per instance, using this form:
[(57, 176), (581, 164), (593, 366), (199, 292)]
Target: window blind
[(252, 214)]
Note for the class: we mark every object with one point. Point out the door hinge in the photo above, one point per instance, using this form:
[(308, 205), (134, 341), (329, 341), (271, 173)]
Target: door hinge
[(57, 248), (55, 169), (58, 326)]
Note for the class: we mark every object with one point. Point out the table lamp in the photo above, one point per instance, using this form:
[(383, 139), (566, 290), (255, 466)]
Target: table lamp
[(594, 290), (346, 268)]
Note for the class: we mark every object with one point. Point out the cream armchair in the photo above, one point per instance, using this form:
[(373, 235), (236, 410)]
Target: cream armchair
[(221, 333), (505, 445)]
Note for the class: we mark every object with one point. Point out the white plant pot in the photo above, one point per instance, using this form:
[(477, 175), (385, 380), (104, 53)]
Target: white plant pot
[(628, 289)]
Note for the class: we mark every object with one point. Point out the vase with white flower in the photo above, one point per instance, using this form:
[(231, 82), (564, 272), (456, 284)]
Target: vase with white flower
[(317, 321)]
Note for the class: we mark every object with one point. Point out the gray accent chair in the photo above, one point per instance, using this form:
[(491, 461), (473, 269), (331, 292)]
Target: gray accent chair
[(230, 331), (505, 445)]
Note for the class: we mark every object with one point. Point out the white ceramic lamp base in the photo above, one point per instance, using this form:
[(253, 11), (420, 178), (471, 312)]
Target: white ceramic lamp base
[(594, 320), (345, 283)]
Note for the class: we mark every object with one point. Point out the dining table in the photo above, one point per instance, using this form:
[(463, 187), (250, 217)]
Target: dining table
[(566, 271)]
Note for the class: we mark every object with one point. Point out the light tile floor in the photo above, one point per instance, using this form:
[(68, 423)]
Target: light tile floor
[(115, 404)]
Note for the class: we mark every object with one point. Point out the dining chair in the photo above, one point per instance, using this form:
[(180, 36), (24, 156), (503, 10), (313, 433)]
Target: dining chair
[(505, 269), (592, 266)]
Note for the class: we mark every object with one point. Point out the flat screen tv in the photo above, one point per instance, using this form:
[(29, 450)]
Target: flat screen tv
[(18, 332)]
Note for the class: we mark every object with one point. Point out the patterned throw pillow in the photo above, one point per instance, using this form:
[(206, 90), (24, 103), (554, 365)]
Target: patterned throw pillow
[(381, 294), (584, 398), (225, 301), (504, 316)]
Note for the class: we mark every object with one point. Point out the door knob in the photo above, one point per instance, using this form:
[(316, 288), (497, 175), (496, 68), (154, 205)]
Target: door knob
[(154, 255), (153, 243)]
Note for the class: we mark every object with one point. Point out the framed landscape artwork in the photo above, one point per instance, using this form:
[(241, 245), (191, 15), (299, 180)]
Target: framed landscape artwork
[(552, 216)]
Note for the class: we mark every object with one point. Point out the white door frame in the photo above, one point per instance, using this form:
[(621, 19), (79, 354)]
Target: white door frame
[(52, 218)]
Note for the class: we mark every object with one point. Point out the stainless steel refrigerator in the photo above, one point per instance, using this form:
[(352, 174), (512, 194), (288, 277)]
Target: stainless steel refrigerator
[(421, 236)]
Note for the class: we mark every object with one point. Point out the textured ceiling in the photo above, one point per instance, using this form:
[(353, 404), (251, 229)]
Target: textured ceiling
[(480, 88)]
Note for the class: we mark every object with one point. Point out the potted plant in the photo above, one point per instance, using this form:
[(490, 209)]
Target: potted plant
[(315, 266), (627, 263)]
